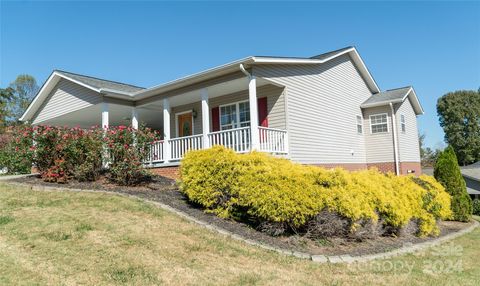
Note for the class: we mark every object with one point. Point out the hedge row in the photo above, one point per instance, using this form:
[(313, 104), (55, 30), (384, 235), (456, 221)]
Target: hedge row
[(276, 191), (63, 153)]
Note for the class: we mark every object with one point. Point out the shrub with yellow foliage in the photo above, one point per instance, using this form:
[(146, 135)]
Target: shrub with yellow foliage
[(276, 190)]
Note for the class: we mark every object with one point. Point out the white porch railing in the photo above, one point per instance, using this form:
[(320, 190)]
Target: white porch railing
[(181, 145), (273, 140), (238, 139), (155, 152)]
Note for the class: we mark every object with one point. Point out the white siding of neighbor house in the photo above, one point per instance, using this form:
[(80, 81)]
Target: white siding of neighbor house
[(379, 145), (66, 97), (408, 147), (275, 106), (322, 102)]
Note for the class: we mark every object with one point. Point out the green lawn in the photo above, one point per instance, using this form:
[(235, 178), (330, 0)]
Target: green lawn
[(52, 238)]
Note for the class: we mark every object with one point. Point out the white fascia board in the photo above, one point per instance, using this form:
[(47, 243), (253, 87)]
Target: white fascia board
[(26, 115), (414, 100), (52, 80), (364, 70), (190, 79)]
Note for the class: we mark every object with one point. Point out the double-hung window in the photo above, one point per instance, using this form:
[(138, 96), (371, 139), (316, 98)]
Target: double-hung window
[(234, 115), (359, 124), (403, 125), (379, 123)]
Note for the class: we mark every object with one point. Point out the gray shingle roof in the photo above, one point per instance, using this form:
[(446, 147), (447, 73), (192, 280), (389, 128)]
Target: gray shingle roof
[(471, 171), (387, 96), (101, 83)]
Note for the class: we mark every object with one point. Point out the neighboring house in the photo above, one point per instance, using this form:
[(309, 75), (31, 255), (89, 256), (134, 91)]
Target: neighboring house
[(471, 174), (325, 110)]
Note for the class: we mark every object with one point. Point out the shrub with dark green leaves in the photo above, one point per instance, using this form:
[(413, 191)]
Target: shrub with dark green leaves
[(447, 172), (476, 207)]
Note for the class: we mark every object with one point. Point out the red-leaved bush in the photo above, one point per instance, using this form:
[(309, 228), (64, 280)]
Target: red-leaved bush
[(127, 149), (16, 150), (63, 153)]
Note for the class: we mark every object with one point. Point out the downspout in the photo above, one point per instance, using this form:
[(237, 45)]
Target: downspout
[(395, 149), (242, 68)]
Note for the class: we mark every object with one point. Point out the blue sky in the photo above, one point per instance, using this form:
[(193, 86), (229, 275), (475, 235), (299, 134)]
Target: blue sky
[(434, 46)]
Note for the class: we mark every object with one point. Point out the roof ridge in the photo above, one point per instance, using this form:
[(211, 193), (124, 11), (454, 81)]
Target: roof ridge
[(408, 86), (97, 78)]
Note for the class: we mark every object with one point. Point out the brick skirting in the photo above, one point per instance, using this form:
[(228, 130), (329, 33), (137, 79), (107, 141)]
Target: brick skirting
[(168, 172), (346, 166), (173, 172), (405, 167)]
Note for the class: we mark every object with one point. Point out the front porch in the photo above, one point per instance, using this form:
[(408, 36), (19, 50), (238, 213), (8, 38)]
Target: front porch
[(240, 113), (271, 140)]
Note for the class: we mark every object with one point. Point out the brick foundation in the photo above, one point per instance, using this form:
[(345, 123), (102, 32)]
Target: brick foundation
[(405, 168), (168, 172), (384, 167), (408, 167), (346, 166)]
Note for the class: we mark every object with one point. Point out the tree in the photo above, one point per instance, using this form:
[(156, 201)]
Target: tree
[(459, 115), (23, 89), (447, 172), (5, 95)]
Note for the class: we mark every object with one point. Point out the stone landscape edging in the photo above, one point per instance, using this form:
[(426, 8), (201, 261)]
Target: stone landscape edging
[(303, 255)]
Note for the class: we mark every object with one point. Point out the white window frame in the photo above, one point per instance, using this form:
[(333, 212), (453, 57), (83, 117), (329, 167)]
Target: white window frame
[(237, 109), (176, 122), (379, 114), (359, 124), (403, 123)]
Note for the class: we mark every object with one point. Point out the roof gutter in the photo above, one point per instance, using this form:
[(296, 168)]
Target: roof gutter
[(242, 68)]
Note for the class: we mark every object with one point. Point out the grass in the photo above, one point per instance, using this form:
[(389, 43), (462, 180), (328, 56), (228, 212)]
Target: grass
[(51, 238)]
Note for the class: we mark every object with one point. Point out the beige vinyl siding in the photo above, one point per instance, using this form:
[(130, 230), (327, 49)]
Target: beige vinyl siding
[(275, 105), (407, 141), (66, 97), (379, 146), (322, 102)]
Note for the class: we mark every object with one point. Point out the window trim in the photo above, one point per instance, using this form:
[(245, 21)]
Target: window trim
[(361, 123), (379, 114), (403, 123), (237, 107), (176, 121)]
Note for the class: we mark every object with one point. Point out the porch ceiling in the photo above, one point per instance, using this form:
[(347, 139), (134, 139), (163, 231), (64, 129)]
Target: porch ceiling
[(216, 90)]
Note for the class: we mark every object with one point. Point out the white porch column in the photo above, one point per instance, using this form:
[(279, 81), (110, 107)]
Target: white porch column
[(134, 118), (252, 100), (105, 115), (105, 157), (205, 118), (166, 130)]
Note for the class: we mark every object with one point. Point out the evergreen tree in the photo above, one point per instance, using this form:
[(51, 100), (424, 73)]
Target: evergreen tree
[(447, 172)]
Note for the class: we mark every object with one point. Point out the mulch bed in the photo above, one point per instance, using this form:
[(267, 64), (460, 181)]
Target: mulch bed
[(164, 190)]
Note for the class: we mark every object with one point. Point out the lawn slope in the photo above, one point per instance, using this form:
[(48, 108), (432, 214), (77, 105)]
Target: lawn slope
[(52, 238)]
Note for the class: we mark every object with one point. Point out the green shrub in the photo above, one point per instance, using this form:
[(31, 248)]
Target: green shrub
[(476, 207), (277, 192), (447, 172)]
